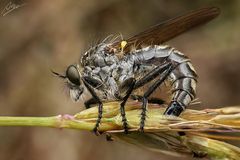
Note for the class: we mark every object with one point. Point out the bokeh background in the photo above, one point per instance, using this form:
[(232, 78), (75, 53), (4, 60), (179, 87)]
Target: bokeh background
[(45, 35)]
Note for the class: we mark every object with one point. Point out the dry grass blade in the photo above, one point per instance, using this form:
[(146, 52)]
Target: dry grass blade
[(162, 132), (198, 133)]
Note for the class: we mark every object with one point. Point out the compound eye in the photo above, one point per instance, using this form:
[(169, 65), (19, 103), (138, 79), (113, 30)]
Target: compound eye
[(73, 75)]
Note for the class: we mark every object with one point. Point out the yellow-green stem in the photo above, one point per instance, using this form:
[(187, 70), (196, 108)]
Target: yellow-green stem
[(61, 121)]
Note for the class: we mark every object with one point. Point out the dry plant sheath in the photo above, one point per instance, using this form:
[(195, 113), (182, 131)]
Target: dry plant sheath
[(203, 130)]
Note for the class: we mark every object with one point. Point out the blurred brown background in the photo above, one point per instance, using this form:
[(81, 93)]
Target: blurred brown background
[(45, 35)]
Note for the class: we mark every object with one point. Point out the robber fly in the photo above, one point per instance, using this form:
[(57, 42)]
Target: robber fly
[(114, 70)]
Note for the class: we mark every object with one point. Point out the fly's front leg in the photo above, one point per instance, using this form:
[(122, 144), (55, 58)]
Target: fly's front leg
[(100, 105), (129, 84), (150, 90)]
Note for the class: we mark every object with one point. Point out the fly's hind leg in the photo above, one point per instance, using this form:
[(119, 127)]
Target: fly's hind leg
[(129, 84), (150, 90), (163, 71)]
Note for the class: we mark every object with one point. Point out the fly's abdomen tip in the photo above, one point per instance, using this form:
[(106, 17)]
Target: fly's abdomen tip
[(174, 109)]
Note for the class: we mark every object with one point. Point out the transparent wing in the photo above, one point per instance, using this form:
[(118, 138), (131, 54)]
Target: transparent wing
[(169, 29)]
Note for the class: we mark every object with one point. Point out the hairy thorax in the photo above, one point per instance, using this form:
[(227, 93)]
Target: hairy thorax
[(112, 71)]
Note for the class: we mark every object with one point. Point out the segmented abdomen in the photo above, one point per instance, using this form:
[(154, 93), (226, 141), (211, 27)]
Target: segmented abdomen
[(183, 77)]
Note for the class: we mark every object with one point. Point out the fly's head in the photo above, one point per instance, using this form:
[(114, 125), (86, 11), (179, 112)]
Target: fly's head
[(73, 81)]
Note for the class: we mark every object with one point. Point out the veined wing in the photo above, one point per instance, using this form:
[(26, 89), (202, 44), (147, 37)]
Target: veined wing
[(169, 29)]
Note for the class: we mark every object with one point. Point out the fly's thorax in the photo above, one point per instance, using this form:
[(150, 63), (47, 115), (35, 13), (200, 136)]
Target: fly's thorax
[(106, 79), (108, 69), (99, 56)]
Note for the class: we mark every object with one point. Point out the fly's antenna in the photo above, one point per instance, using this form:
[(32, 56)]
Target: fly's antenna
[(58, 74)]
